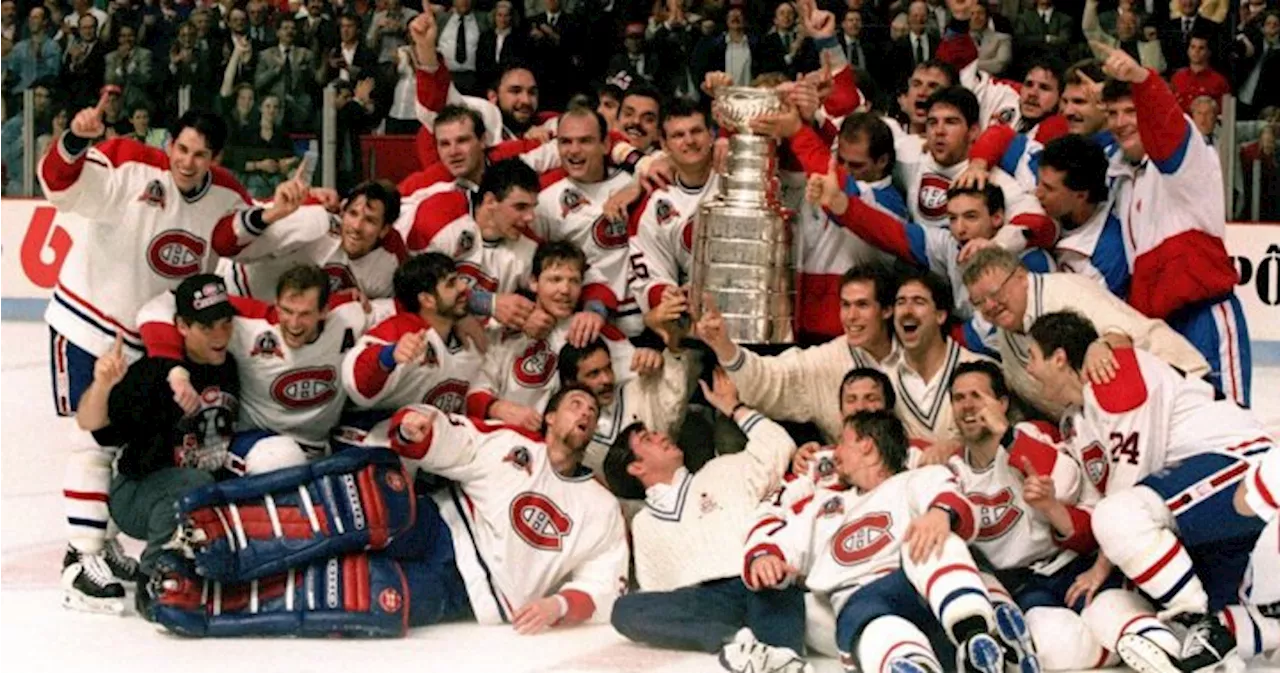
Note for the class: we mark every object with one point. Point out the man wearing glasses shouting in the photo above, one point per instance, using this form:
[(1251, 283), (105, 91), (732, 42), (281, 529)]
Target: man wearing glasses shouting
[(1011, 298)]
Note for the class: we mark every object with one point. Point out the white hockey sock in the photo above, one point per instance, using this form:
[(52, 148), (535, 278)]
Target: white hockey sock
[(952, 586), (84, 492), (1133, 528), (1255, 634)]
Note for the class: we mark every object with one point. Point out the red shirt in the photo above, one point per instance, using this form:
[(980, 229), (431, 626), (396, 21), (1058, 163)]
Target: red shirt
[(1189, 85)]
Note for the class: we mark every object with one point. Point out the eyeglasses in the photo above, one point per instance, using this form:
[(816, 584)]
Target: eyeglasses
[(981, 302)]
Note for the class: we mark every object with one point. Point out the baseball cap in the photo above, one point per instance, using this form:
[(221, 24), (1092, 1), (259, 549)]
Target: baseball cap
[(203, 298)]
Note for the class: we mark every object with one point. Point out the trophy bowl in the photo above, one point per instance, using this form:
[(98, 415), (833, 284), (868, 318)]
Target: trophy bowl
[(738, 105)]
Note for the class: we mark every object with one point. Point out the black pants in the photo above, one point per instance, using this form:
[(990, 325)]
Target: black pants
[(147, 508)]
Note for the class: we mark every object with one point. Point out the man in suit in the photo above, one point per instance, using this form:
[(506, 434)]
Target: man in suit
[(853, 42), (995, 49), (317, 30), (734, 51), (84, 64), (555, 50), (916, 47), (499, 44), (1043, 31), (1260, 70), (783, 49), (129, 67), (387, 30), (285, 71), (459, 42), (259, 28), (636, 60), (349, 60), (1176, 34)]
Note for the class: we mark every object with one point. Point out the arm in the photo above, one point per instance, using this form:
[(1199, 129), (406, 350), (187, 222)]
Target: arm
[(437, 442), (784, 534), (301, 228), (904, 239), (595, 584), (1091, 26), (653, 262), (1165, 131), (266, 74), (89, 188), (372, 371), (1027, 224)]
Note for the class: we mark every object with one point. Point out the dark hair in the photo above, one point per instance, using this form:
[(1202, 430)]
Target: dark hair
[(1082, 162), (302, 277), (351, 16), (212, 127), (508, 67), (644, 91), (1115, 90), (953, 75), (1067, 330), (571, 355), (1088, 67), (990, 369), (938, 287), (558, 397), (618, 459), (678, 108), (886, 432), (419, 274), (609, 90), (878, 134), (959, 98), (502, 177), (1052, 65), (558, 251), (991, 195), (286, 18), (880, 276), (455, 113), (591, 113), (881, 379), (382, 191)]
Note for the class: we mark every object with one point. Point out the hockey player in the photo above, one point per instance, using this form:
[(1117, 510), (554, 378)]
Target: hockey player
[(803, 384), (687, 541), (358, 248), (518, 375), (1256, 622), (889, 554), (155, 217), (1012, 298), (1166, 456), (1173, 219), (417, 355), (522, 535)]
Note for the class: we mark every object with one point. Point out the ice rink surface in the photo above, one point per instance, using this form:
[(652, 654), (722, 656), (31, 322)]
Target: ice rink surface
[(37, 634)]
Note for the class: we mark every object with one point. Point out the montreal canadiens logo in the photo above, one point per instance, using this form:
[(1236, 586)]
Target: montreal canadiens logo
[(175, 254), (395, 482), (535, 365), (539, 521), (862, 539), (390, 600), (449, 395), (609, 233), (686, 235), (305, 388), (476, 277), (340, 277), (1096, 466), (933, 195), (997, 513)]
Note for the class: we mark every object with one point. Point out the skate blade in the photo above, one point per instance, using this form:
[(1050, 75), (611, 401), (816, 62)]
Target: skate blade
[(96, 606)]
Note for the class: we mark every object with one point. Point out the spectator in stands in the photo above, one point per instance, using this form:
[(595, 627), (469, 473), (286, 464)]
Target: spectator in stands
[(1176, 33), (1126, 37), (114, 115), (555, 51), (350, 60), (236, 105), (285, 72), (608, 103), (636, 60), (388, 30), (13, 145), (143, 131), (84, 63), (356, 116), (190, 65), (1002, 14), (402, 118), (1043, 31), (316, 29), (159, 24), (266, 158), (36, 56), (207, 32), (9, 21), (459, 42), (237, 35), (81, 9), (781, 47), (734, 51), (502, 42), (1109, 18), (129, 67), (1259, 68), (1199, 78), (1260, 157), (259, 28), (899, 27), (59, 119), (675, 38), (995, 49), (916, 47)]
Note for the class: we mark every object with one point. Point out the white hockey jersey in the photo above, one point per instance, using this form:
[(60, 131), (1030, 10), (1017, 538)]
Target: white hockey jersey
[(313, 235), (691, 530), (1152, 416), (441, 379), (841, 541), (659, 401), (661, 232), (521, 530), (925, 406), (998, 100), (143, 236)]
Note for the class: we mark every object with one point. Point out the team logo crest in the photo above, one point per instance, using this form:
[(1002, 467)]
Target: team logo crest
[(1096, 466), (395, 482), (534, 367), (997, 513), (153, 195), (932, 199), (477, 278), (449, 395), (664, 211), (570, 201), (390, 600), (1004, 116), (266, 344), (335, 226), (340, 277), (860, 540), (519, 457), (539, 521), (175, 253), (609, 233), (707, 504), (832, 507), (305, 388), (466, 241)]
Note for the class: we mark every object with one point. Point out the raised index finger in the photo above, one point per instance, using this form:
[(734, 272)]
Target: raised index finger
[(101, 107), (118, 348), (1029, 469)]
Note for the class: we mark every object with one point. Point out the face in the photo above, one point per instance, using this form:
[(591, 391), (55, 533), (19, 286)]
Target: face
[(8, 12), (459, 148), (41, 96), (1188, 7), (852, 24), (861, 315), (244, 100), (315, 8), (655, 454), (1126, 27), (916, 318), (237, 21), (608, 108), (285, 33), (517, 96), (1058, 200), (1198, 51), (141, 120), (450, 298), (202, 22), (1051, 372), (1039, 96), (574, 421), (917, 17), (581, 146), (898, 28), (348, 30), (270, 109), (189, 159), (1271, 27), (735, 20), (923, 82), (861, 395), (127, 38), (970, 393), (634, 42), (595, 372), (784, 17), (1001, 297), (206, 344), (978, 19), (257, 13), (300, 315), (88, 28), (502, 16), (855, 157), (1205, 116), (552, 6), (187, 34), (948, 135), (363, 226), (638, 119), (687, 141), (558, 288), (514, 213), (1122, 119), (852, 455), (1085, 116), (36, 20), (969, 218)]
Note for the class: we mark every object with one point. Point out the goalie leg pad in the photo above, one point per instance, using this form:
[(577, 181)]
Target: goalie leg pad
[(262, 525)]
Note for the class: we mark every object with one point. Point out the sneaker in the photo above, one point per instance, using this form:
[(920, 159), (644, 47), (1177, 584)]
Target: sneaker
[(123, 566), (980, 654), (88, 584), (745, 654), (1146, 656), (1019, 650), (1208, 645)]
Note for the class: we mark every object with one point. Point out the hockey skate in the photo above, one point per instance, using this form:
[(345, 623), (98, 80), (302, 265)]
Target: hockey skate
[(1019, 650), (910, 664), (980, 653), (89, 585), (123, 566), (748, 655), (1209, 646), (1145, 656)]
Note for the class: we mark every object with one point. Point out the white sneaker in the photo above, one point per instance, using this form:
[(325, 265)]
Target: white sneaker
[(748, 655)]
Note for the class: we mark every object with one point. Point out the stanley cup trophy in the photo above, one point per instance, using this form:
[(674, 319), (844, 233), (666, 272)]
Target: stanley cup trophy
[(742, 247)]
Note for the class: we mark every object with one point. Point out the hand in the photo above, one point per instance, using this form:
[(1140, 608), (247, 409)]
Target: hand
[(938, 453), (656, 173), (826, 192), (424, 30), (972, 247), (472, 333), (1089, 581), (410, 348), (822, 79), (803, 457), (711, 329), (992, 415), (720, 155), (517, 415), (184, 395), (288, 198), (326, 197), (285, 163), (796, 44), (538, 133), (664, 319), (110, 369), (537, 616), (769, 571), (617, 206), (88, 122), (512, 309), (974, 176), (1118, 64), (782, 124), (415, 426), (584, 327), (715, 80), (803, 95), (1037, 489), (820, 24), (1100, 362), (1094, 89), (646, 362), (927, 534), (268, 166), (723, 393), (539, 324), (364, 89)]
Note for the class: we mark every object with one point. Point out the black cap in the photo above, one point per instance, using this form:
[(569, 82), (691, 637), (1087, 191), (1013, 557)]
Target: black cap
[(203, 298)]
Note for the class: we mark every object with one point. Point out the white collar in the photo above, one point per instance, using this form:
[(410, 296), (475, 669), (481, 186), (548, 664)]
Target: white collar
[(667, 500)]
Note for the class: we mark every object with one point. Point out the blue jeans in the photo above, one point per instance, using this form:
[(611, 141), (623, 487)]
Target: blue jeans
[(891, 595), (705, 616), (1030, 590)]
